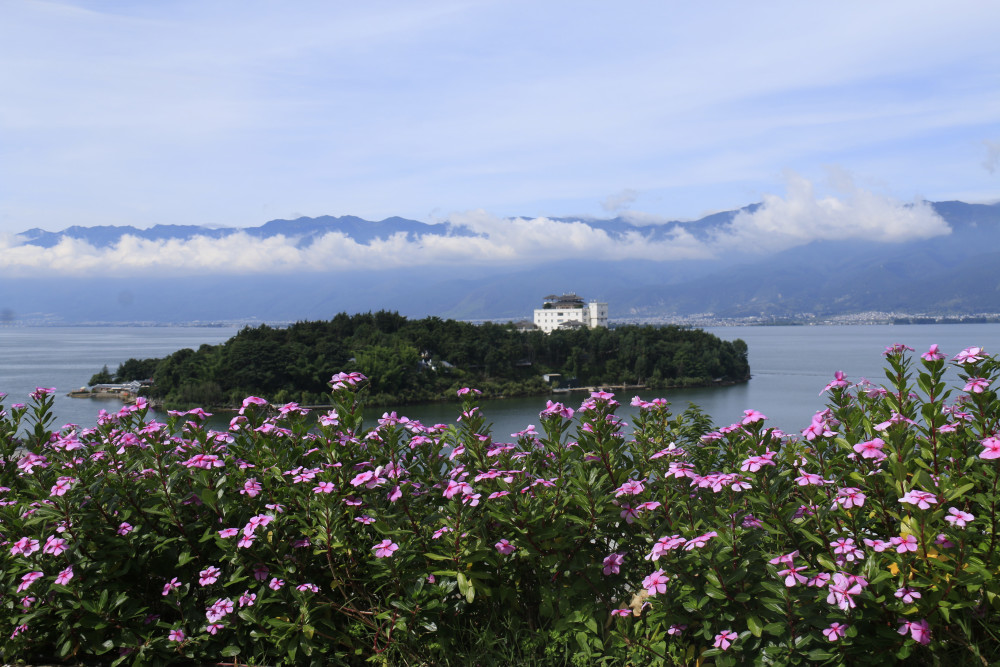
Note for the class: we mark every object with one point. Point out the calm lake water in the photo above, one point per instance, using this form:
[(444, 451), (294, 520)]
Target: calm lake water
[(790, 366)]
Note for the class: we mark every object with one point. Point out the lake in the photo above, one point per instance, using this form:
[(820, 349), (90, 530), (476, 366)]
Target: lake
[(790, 365)]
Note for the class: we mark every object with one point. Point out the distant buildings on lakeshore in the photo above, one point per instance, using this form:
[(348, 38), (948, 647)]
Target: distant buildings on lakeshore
[(569, 311)]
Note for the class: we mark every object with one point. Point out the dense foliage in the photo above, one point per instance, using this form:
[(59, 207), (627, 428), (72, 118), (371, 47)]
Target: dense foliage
[(429, 359), (872, 538)]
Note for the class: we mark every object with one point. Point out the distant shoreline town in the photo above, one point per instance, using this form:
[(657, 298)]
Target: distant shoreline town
[(695, 320)]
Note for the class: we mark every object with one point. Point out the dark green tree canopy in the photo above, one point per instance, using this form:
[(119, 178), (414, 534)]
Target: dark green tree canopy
[(428, 359)]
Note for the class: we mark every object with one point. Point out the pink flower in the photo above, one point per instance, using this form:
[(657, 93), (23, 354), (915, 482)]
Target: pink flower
[(820, 580), (969, 355), (252, 400), (27, 580), (977, 385), (556, 409), (811, 479), (724, 639), (125, 528), (505, 547), (228, 532), (844, 546), (248, 599), (25, 545), (213, 628), (755, 463), (665, 544), (700, 541), (835, 631), (209, 575), (613, 563), (631, 487), (629, 513), (932, 354), (343, 380), (871, 449), (992, 445), (920, 630), (62, 485), (942, 541), (176, 636), (364, 519), (907, 594), (878, 545), (849, 497), (957, 517), (656, 582), (324, 487), (839, 382), (275, 584), (54, 545), (221, 608), (64, 576), (312, 588), (454, 488), (621, 612), (171, 585), (905, 543), (841, 589), (251, 487), (751, 416), (784, 559), (792, 575), (385, 548), (821, 427), (921, 499)]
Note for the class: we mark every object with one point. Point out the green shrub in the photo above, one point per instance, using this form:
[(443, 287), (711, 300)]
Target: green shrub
[(869, 539)]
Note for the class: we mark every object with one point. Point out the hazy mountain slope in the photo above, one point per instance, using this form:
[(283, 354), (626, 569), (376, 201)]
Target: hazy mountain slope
[(955, 273)]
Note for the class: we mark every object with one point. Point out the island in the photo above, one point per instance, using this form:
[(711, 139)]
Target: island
[(422, 360)]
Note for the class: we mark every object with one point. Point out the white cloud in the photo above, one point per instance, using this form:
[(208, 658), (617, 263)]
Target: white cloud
[(798, 217), (992, 156), (622, 200), (801, 217)]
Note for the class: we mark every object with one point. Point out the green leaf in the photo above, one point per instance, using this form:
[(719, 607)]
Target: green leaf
[(230, 651), (754, 625), (776, 629), (818, 654), (713, 592), (955, 494)]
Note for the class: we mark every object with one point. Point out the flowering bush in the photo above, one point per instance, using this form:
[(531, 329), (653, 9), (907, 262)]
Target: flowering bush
[(288, 540)]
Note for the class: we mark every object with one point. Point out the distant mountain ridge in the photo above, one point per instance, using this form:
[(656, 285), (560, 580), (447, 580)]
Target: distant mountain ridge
[(952, 274), (360, 230)]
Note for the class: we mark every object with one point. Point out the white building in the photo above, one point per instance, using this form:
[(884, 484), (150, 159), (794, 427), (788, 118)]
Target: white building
[(568, 311)]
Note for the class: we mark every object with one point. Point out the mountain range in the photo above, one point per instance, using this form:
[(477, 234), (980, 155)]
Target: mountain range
[(951, 274)]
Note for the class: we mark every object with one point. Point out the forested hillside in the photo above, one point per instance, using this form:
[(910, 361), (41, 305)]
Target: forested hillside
[(428, 359)]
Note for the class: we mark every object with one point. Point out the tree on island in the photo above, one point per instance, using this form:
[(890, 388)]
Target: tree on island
[(428, 359)]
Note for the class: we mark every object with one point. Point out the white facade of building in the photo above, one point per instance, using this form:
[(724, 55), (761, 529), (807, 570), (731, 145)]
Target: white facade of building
[(569, 311)]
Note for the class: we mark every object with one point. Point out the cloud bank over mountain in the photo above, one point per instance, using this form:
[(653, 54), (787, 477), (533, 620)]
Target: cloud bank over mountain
[(477, 238)]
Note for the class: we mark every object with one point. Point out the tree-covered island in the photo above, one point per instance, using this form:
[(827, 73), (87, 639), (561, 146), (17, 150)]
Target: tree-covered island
[(411, 361)]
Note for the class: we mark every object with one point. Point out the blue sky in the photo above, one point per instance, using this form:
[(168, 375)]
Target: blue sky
[(232, 113)]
